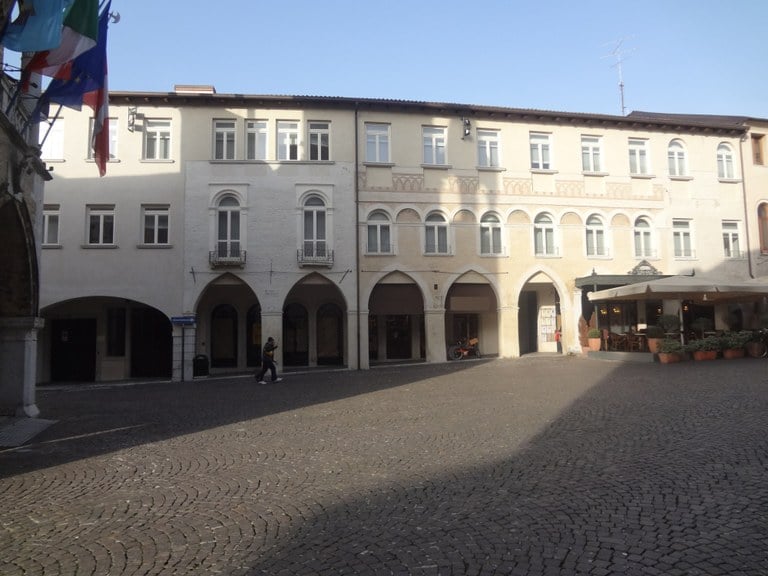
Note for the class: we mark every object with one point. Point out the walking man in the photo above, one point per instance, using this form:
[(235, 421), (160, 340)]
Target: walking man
[(268, 362)]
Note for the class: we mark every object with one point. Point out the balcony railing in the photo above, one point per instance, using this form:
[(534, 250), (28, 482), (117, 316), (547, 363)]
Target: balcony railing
[(315, 256), (232, 258)]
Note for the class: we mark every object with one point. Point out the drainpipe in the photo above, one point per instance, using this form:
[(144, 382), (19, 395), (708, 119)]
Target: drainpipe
[(746, 210), (357, 236)]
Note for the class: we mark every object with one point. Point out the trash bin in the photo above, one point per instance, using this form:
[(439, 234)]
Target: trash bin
[(200, 365)]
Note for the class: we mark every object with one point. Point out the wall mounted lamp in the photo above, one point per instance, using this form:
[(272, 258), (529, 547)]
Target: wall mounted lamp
[(466, 127)]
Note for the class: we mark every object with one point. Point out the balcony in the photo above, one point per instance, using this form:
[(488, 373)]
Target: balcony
[(314, 255), (227, 258)]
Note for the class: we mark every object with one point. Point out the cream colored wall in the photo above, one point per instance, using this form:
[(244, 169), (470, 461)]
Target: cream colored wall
[(408, 192)]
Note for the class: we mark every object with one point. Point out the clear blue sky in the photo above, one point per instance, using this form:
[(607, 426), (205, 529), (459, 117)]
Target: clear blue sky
[(681, 56)]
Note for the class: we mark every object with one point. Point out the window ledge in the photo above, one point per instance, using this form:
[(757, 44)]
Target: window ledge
[(98, 246), (599, 256), (307, 162), (51, 246), (154, 246), (491, 169), (53, 160), (681, 178), (110, 161), (379, 164), (157, 161), (548, 256), (595, 174), (377, 254), (642, 176), (484, 255), (437, 166), (543, 171), (437, 254), (729, 180)]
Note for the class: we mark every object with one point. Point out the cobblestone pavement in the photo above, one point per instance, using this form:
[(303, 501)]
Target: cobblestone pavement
[(540, 465)]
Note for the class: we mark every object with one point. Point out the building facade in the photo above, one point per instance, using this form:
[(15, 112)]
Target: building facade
[(21, 198), (359, 231)]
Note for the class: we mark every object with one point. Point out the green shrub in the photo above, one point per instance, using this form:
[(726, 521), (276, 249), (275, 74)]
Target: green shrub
[(654, 332), (669, 322), (594, 333), (735, 339), (670, 345), (704, 344)]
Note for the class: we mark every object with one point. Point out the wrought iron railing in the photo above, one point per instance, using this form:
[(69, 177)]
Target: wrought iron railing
[(224, 258)]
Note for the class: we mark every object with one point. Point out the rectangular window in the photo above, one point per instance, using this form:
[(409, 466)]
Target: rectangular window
[(52, 140), (51, 224), (731, 245), (112, 126), (540, 151), (379, 239), (116, 331), (157, 139), (224, 139), (490, 239), (488, 148), (155, 224), (320, 141), (433, 141), (377, 143), (287, 140), (256, 140), (590, 154), (101, 225), (681, 234), (757, 149), (638, 156)]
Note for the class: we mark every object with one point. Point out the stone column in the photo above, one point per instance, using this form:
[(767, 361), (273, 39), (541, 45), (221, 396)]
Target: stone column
[(509, 339), (184, 338), (434, 325), (18, 365), (365, 361), (351, 341), (272, 325)]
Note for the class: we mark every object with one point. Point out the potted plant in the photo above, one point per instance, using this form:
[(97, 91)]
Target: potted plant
[(733, 343), (669, 323), (654, 335), (670, 350), (704, 348), (594, 338)]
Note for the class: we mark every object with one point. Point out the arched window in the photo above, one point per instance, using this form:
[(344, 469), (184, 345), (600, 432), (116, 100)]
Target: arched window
[(315, 239), (490, 234), (762, 215), (643, 238), (596, 236), (544, 235), (436, 234), (725, 162), (379, 233), (228, 228), (677, 159)]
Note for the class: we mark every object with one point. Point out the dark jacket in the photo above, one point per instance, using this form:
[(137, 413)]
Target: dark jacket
[(269, 350)]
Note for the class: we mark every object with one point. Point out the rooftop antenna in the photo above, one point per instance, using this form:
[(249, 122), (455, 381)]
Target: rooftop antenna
[(618, 54)]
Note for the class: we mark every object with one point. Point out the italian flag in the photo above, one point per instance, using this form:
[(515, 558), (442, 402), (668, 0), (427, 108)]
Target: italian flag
[(79, 34)]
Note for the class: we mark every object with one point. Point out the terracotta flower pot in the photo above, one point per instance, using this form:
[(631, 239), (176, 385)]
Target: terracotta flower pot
[(594, 344), (705, 355), (730, 353), (653, 345), (670, 357)]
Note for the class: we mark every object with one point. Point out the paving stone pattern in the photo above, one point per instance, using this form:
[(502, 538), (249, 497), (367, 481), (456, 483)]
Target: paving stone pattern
[(533, 466)]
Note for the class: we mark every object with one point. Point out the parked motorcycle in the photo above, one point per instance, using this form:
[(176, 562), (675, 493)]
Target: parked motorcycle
[(464, 348)]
